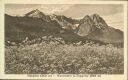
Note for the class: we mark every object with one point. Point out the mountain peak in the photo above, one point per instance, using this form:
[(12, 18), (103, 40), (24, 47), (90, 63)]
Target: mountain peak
[(95, 15), (35, 13), (99, 21), (91, 23), (87, 19), (37, 10)]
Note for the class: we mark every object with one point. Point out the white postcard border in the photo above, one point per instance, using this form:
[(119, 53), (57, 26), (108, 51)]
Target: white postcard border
[(24, 76)]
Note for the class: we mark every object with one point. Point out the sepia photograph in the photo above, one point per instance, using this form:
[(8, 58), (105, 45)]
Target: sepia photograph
[(64, 39)]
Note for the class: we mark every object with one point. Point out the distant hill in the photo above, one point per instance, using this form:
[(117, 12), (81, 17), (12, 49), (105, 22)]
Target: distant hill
[(36, 24)]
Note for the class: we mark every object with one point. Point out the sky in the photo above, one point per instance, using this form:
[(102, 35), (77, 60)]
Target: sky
[(112, 13)]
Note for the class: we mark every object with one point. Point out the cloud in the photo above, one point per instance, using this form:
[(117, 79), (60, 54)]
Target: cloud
[(21, 9), (54, 8), (115, 20), (80, 10)]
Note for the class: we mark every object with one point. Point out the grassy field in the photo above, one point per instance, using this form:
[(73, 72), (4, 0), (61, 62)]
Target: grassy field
[(55, 58)]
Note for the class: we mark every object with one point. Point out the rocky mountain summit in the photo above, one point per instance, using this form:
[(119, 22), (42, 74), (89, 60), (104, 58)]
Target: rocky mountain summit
[(94, 27)]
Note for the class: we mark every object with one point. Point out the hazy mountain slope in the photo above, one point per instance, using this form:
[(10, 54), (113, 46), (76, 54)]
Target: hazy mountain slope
[(21, 27), (18, 28), (109, 35)]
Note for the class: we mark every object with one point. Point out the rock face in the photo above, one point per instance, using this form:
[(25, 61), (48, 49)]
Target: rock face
[(90, 23), (36, 24), (94, 27), (86, 26), (35, 13), (65, 22), (99, 21), (38, 14)]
